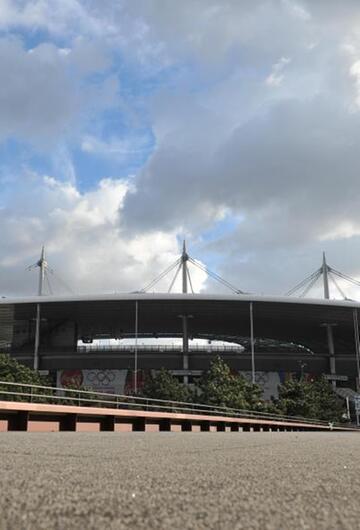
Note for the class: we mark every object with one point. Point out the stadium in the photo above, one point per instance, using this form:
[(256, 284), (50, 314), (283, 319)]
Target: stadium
[(110, 341)]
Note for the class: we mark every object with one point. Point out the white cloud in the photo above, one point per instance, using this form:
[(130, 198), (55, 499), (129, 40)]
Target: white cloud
[(84, 244), (285, 161), (276, 76), (117, 148), (297, 9), (56, 16), (355, 74), (42, 94)]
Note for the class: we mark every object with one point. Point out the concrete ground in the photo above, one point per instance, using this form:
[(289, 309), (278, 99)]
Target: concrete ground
[(179, 481)]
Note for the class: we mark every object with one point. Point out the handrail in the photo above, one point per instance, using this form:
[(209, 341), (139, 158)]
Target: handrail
[(127, 397), (123, 401), (157, 348)]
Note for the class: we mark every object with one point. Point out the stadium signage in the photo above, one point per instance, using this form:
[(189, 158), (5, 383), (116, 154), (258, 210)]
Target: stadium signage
[(335, 377), (357, 404)]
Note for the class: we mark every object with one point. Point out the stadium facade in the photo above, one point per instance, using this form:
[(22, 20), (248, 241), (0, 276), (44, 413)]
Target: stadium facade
[(268, 339), (279, 335)]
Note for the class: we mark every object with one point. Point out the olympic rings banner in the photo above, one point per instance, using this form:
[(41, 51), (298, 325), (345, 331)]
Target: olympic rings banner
[(111, 381)]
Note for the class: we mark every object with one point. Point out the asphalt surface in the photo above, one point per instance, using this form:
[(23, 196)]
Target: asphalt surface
[(180, 481)]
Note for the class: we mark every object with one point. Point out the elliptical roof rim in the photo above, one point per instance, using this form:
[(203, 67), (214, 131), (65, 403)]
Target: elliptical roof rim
[(177, 296)]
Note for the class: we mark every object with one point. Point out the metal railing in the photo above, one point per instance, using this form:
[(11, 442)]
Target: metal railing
[(10, 391), (158, 348)]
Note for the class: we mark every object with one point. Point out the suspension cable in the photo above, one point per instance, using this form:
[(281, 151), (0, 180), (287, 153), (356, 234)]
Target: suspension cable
[(60, 280), (190, 282), (344, 276), (174, 279), (47, 279), (216, 277), (303, 283), (161, 276), (48, 270), (337, 285), (311, 284)]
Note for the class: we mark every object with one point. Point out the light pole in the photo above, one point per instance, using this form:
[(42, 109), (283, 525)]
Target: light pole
[(330, 340), (185, 344), (357, 345), (252, 343), (302, 366), (136, 345)]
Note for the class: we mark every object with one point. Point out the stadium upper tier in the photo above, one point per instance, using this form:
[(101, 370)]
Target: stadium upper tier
[(64, 320)]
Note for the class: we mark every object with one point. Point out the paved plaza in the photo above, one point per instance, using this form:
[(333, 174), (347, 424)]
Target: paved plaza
[(180, 481)]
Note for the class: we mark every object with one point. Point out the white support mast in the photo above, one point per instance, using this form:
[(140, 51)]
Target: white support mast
[(325, 273), (181, 266), (42, 264), (329, 330), (184, 259), (136, 346)]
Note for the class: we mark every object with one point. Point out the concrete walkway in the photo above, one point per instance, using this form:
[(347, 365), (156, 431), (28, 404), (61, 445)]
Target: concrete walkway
[(180, 481)]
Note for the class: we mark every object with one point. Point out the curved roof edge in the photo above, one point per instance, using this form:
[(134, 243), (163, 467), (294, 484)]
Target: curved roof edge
[(177, 296)]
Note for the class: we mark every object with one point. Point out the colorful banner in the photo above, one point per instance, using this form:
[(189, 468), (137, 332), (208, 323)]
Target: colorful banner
[(110, 381)]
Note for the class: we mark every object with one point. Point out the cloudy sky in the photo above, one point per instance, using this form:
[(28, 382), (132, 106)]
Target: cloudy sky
[(128, 125)]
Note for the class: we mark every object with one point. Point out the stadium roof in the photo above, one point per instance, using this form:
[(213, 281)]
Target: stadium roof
[(218, 316)]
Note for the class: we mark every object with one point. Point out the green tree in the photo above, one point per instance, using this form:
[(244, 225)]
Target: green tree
[(15, 372), (310, 399), (218, 386), (12, 371), (163, 385)]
